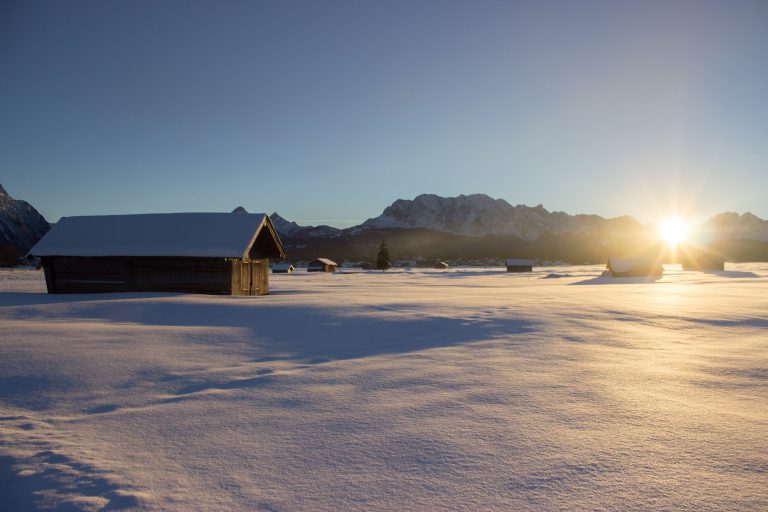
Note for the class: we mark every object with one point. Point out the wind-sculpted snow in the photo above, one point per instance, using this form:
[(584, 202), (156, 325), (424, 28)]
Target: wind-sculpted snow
[(465, 389)]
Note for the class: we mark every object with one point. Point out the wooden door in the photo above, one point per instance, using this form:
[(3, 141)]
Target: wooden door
[(245, 278)]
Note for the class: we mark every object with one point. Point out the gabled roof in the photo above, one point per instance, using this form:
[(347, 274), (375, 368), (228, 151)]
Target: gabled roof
[(282, 266), (324, 261), (223, 235), (520, 263)]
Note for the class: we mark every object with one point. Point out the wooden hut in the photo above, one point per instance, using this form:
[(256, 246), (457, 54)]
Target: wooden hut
[(214, 253), (283, 268), (441, 265), (321, 265), (702, 260), (633, 267), (519, 265)]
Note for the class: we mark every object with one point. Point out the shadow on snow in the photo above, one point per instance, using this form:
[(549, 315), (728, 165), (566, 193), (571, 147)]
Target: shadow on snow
[(65, 476), (306, 334), (618, 280)]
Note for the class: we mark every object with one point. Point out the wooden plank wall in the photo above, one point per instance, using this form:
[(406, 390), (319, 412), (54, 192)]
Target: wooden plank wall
[(120, 274), (236, 287), (86, 275), (324, 268), (193, 275), (262, 273)]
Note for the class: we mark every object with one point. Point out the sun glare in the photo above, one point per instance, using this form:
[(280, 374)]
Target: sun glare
[(673, 231)]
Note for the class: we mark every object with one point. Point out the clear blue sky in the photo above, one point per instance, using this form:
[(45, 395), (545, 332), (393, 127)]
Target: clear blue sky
[(328, 111)]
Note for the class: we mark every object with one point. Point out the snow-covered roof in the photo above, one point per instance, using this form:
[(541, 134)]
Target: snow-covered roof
[(520, 263), (630, 264), (282, 266), (324, 261), (223, 235)]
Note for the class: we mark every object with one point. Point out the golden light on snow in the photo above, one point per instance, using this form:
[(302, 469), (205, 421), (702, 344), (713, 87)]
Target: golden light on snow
[(673, 231)]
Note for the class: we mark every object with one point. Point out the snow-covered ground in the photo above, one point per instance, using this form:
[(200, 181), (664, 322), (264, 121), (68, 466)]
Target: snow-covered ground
[(465, 389)]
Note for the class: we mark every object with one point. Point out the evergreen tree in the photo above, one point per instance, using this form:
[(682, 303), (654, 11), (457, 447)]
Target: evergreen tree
[(382, 260)]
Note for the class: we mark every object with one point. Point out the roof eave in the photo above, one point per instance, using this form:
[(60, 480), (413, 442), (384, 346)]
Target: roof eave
[(266, 222), (273, 232)]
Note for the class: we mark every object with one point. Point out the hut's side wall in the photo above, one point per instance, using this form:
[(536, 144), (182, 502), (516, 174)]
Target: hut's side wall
[(637, 272), (191, 275), (519, 268), (68, 274), (323, 268), (703, 262), (65, 274)]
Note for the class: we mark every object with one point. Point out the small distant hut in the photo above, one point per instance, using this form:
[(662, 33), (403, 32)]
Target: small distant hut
[(367, 266), (441, 265), (213, 253), (633, 267), (514, 265), (321, 265), (283, 268), (702, 260)]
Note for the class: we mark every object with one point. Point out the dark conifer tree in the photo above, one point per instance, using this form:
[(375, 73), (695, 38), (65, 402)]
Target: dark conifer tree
[(382, 260)]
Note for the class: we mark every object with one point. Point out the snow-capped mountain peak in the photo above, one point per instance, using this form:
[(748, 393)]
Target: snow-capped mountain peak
[(476, 215)]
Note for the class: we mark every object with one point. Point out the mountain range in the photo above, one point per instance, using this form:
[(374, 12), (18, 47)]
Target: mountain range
[(466, 227), (479, 226)]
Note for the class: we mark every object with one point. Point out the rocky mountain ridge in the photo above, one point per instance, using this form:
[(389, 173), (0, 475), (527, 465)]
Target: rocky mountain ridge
[(291, 229), (21, 225), (481, 215)]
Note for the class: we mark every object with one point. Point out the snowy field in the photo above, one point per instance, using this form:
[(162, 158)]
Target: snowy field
[(466, 389)]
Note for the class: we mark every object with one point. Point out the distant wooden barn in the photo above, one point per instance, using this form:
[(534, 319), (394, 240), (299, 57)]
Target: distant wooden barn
[(441, 265), (321, 265), (213, 253), (702, 260), (633, 267), (282, 268), (519, 265)]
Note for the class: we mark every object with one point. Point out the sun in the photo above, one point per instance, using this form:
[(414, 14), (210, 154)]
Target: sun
[(673, 231)]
